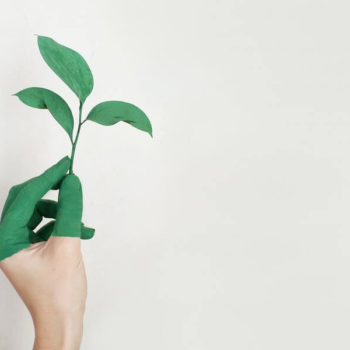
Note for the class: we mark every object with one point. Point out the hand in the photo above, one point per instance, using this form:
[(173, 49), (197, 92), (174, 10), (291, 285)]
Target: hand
[(46, 267)]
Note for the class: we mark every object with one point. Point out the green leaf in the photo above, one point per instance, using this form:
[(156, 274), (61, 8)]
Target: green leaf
[(46, 99), (112, 112), (69, 65)]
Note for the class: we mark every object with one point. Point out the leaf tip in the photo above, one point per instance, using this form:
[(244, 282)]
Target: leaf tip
[(38, 36), (149, 129)]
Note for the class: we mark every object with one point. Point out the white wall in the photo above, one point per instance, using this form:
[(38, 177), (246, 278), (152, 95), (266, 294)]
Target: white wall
[(230, 229)]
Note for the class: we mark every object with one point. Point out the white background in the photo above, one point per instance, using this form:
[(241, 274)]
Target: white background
[(228, 230)]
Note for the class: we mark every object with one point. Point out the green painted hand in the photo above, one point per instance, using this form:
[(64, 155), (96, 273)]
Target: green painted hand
[(24, 210)]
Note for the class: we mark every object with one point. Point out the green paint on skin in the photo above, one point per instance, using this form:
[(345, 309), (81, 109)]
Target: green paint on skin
[(24, 210)]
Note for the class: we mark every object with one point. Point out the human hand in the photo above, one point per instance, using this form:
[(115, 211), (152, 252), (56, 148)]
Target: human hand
[(46, 268)]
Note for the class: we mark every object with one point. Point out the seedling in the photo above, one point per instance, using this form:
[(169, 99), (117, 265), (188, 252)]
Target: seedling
[(72, 68)]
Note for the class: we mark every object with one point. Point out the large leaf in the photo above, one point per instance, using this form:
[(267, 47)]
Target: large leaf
[(69, 65), (112, 112), (47, 99)]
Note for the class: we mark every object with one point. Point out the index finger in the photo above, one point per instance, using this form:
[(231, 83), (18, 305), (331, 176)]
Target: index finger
[(36, 188)]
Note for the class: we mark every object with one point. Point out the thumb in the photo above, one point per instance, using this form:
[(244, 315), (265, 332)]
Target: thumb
[(70, 208)]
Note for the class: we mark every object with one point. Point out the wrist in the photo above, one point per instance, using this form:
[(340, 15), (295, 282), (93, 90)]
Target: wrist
[(59, 332)]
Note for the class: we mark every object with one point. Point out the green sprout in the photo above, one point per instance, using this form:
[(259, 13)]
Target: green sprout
[(72, 68)]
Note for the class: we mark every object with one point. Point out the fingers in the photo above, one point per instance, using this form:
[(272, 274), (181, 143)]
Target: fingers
[(43, 234), (41, 184), (48, 209), (87, 232), (66, 233), (25, 208), (13, 193), (44, 208), (15, 234), (22, 208), (70, 208)]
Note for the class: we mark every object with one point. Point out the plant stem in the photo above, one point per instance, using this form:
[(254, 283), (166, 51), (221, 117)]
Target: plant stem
[(76, 139)]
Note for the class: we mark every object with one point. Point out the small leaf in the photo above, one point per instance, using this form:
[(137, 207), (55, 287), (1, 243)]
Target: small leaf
[(69, 65), (112, 112), (47, 99)]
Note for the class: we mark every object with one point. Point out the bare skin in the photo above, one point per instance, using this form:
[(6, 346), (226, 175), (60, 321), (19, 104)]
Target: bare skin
[(50, 278)]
